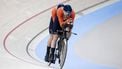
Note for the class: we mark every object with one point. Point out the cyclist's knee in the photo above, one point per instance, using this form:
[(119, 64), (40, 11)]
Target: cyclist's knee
[(50, 39), (55, 37)]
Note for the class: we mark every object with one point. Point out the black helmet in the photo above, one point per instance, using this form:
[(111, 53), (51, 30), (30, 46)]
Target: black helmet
[(68, 8), (60, 5)]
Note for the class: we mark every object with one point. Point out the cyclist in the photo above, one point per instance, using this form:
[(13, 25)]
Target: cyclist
[(61, 15)]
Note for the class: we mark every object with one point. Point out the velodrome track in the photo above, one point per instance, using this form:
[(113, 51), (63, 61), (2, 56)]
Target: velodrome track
[(23, 25)]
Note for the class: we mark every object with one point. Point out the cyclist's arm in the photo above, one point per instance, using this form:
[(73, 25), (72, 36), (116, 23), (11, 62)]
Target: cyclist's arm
[(73, 16), (71, 19), (53, 12), (60, 17)]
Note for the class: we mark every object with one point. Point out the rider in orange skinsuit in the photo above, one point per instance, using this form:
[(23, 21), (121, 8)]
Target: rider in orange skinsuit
[(61, 15)]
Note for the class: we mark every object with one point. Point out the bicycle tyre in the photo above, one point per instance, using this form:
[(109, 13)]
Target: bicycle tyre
[(63, 52)]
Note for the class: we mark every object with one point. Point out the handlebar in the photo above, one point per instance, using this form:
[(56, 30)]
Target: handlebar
[(67, 28), (67, 31), (74, 33)]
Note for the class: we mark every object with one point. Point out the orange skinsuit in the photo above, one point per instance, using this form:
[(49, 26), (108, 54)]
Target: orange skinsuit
[(59, 13)]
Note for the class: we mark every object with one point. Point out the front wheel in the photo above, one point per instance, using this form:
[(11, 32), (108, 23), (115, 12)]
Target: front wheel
[(63, 52)]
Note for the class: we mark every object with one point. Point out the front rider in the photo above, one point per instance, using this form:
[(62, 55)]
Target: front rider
[(60, 17)]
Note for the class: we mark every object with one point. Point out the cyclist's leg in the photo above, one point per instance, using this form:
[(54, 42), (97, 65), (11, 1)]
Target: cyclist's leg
[(49, 41), (55, 36), (48, 48), (53, 46), (54, 40)]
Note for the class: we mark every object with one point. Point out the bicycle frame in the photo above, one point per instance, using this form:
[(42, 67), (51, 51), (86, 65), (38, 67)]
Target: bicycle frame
[(61, 47), (63, 43)]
